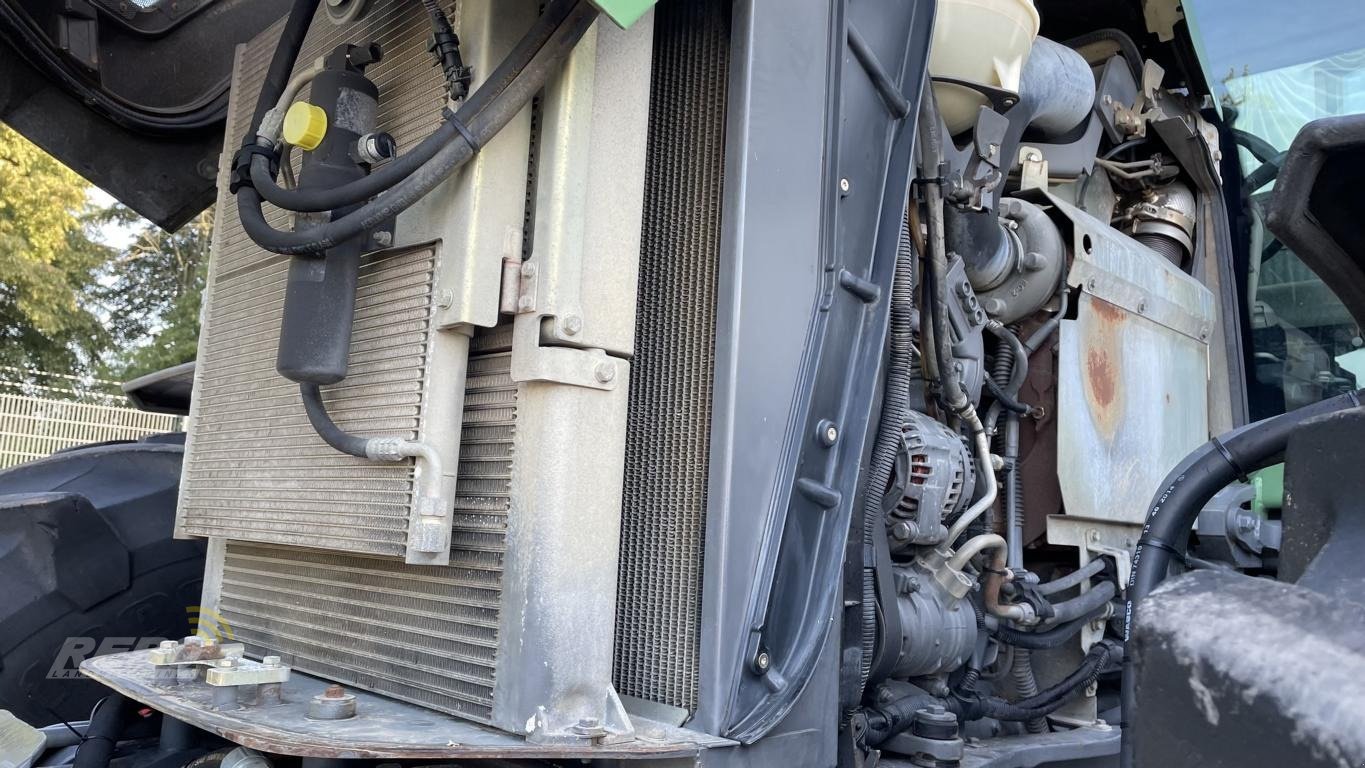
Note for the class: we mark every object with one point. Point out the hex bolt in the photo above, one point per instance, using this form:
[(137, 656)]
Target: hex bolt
[(604, 372), (827, 432), (526, 303), (572, 325), (270, 662), (383, 238), (334, 703), (168, 645), (445, 299), (528, 269), (762, 661)]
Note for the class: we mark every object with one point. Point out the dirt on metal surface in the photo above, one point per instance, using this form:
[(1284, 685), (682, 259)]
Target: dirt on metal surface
[(382, 728)]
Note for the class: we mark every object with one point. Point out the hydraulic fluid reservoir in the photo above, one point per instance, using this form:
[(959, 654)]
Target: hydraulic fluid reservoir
[(978, 42)]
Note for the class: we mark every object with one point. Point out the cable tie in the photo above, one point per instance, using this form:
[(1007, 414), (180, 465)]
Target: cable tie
[(1232, 462), (1160, 544), (463, 130)]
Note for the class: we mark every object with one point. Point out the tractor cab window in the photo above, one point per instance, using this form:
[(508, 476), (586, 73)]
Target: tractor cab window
[(1305, 346)]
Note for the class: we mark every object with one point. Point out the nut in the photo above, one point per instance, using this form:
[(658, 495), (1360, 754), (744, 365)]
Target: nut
[(604, 372)]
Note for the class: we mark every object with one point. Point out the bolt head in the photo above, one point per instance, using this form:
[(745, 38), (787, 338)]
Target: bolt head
[(844, 186), (445, 298), (572, 325), (525, 303), (334, 691), (763, 661), (831, 434), (383, 238), (168, 645), (528, 269), (604, 372), (270, 662)]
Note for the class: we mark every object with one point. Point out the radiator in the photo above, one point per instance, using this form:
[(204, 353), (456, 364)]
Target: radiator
[(308, 555), (664, 513)]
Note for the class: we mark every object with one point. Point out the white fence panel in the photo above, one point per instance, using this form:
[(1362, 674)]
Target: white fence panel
[(34, 427)]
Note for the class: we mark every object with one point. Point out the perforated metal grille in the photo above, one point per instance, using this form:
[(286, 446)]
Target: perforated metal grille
[(425, 634), (255, 470), (664, 509)]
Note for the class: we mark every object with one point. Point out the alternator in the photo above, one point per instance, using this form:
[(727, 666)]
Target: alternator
[(934, 479)]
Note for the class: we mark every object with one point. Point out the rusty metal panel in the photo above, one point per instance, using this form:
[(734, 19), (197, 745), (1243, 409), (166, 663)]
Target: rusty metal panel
[(1132, 373)]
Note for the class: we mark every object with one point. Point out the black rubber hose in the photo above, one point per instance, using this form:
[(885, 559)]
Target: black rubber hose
[(1040, 641), (282, 62), (1177, 503), (446, 161), (1084, 604), (1072, 579), (1127, 48), (102, 735), (403, 166), (1049, 700), (326, 428)]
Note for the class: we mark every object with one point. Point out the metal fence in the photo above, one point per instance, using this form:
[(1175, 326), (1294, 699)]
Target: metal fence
[(33, 426)]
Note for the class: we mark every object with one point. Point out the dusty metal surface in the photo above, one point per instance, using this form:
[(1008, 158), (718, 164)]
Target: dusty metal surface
[(382, 728), (254, 469), (1132, 373)]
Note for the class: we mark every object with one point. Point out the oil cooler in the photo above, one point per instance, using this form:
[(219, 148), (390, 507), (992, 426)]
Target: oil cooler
[(495, 322)]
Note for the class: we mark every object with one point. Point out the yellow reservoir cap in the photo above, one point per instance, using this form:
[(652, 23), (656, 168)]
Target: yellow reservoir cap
[(305, 125)]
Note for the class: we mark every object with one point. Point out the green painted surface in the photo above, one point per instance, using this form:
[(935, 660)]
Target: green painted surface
[(1269, 484), (624, 12)]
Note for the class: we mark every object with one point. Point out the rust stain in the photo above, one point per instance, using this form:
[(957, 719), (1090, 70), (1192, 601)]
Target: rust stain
[(1104, 372), (1100, 377)]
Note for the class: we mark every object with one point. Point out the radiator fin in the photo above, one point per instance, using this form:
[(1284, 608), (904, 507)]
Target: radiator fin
[(254, 468), (664, 507), (424, 634)]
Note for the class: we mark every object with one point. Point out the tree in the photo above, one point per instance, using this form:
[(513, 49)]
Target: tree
[(49, 260), (152, 296)]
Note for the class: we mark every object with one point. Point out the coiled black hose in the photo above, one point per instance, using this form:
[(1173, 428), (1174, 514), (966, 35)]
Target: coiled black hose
[(450, 157), (1177, 503), (1046, 702), (403, 166)]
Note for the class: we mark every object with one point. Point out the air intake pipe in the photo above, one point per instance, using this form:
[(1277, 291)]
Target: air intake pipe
[(1056, 90)]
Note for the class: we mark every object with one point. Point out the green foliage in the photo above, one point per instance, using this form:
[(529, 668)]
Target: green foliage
[(49, 259), (70, 304), (153, 296)]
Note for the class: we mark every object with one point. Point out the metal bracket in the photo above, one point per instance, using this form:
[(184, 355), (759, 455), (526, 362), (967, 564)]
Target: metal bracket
[(534, 361), (1032, 168)]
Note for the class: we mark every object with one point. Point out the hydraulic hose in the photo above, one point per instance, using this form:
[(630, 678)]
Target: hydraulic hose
[(954, 395), (1177, 503), (282, 62), (1084, 604), (482, 128), (403, 166), (1073, 579), (326, 428), (102, 735), (1046, 702), (889, 719), (1042, 640)]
